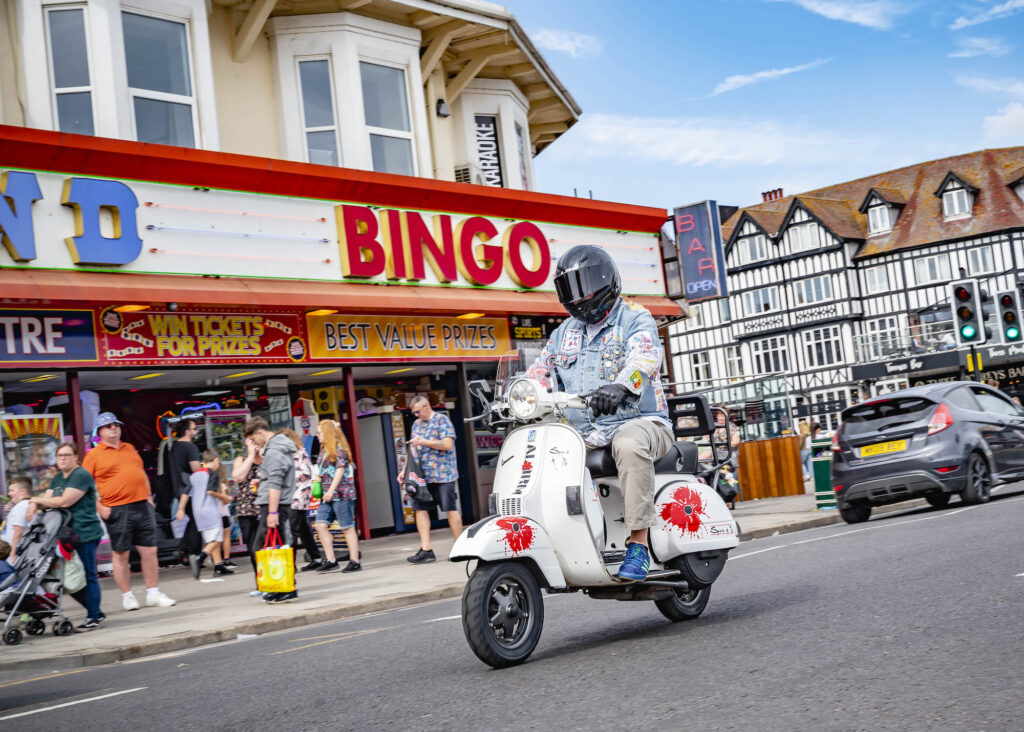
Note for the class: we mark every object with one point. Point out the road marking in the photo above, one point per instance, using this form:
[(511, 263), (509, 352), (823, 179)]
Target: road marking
[(759, 551), (71, 704), (353, 634), (1019, 575), (54, 675), (438, 620)]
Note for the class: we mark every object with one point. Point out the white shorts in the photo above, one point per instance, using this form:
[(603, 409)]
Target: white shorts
[(210, 535)]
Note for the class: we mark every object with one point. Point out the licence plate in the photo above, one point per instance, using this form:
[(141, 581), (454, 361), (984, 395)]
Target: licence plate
[(883, 448)]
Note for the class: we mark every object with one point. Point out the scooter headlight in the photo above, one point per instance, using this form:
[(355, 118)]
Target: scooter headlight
[(523, 399)]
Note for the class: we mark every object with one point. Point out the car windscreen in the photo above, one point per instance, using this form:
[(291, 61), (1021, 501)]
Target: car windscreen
[(878, 415)]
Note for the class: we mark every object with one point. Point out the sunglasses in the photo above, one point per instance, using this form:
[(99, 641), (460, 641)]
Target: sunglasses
[(416, 412), (65, 454)]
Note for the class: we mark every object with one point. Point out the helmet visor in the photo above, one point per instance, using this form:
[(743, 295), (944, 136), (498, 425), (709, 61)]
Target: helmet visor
[(576, 285)]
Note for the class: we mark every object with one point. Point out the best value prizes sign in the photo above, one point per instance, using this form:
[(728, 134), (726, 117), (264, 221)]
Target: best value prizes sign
[(701, 255)]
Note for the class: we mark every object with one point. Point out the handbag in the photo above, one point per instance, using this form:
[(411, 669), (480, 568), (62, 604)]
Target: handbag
[(414, 483), (74, 574), (275, 565)]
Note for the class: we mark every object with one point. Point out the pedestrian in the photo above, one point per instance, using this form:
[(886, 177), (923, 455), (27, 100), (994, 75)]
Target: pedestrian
[(300, 503), (276, 490), (185, 460), (6, 570), (19, 490), (126, 505), (205, 498), (337, 472), (225, 520), (433, 436), (245, 473), (72, 488), (805, 449)]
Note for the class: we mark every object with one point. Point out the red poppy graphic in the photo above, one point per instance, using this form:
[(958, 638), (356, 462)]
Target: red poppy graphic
[(527, 466), (518, 535), (684, 510)]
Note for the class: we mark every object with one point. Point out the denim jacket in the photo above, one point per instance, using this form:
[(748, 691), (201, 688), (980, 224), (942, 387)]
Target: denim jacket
[(626, 350)]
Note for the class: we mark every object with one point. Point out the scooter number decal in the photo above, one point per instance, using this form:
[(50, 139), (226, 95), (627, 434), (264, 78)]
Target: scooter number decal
[(516, 533), (684, 510)]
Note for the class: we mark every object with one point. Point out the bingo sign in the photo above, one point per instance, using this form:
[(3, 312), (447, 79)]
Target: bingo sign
[(701, 257), (201, 337)]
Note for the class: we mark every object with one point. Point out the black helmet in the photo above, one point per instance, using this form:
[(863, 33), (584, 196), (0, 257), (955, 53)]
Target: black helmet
[(587, 282)]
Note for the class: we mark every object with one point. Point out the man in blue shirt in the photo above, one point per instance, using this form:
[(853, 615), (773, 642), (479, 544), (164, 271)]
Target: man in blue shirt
[(433, 438)]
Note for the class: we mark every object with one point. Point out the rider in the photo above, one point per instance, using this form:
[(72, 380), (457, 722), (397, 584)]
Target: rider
[(611, 348)]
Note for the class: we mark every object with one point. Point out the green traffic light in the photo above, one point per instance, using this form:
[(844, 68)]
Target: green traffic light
[(1012, 333), (968, 331)]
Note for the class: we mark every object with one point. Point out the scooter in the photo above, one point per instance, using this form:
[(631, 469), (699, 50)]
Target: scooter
[(557, 520)]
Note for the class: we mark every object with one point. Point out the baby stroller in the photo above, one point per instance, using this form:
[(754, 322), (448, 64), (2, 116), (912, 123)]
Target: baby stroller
[(34, 590)]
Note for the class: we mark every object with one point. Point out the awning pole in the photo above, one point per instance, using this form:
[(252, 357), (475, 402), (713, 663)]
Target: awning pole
[(352, 429), (77, 420)]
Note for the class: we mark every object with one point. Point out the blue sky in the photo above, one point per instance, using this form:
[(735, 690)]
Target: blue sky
[(723, 99)]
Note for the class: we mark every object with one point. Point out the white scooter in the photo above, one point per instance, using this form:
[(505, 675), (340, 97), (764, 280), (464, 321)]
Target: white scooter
[(557, 521)]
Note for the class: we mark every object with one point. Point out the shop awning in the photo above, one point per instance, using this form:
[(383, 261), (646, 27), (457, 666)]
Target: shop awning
[(103, 288)]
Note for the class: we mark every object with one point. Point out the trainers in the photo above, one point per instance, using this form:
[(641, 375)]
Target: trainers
[(636, 563), (279, 597), (315, 564), (158, 599), (195, 563), (327, 567), (222, 569), (257, 593), (422, 557), (352, 567), (229, 563), (129, 602), (89, 624)]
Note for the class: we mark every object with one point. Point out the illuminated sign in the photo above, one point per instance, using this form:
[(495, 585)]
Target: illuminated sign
[(52, 336), (701, 255)]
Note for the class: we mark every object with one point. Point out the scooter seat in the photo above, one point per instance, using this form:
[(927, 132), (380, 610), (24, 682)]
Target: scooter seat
[(681, 458)]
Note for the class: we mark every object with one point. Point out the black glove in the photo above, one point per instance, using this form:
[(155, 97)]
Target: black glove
[(608, 398)]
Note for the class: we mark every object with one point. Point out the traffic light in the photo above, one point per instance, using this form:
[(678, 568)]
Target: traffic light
[(1010, 316), (971, 308)]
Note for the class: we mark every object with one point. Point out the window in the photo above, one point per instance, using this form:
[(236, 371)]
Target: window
[(318, 112), (963, 398), (956, 203), (700, 364), (815, 289), (724, 310), (882, 338), (753, 249), (932, 269), (770, 355), (823, 346), (804, 237), (993, 403), (159, 80), (386, 109), (69, 66), (733, 362), (876, 279), (761, 301), (696, 319), (981, 260), (879, 220)]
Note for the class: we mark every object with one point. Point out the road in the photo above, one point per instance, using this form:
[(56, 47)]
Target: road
[(910, 621)]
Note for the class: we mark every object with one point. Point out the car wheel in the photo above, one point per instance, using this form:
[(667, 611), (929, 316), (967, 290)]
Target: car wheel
[(979, 480), (938, 500), (855, 513)]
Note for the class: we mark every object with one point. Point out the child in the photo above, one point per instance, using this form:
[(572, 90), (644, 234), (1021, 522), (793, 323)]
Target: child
[(6, 570), (206, 497)]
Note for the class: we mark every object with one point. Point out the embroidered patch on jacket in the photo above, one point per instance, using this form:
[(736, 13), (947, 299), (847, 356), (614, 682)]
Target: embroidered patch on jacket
[(571, 341), (635, 380)]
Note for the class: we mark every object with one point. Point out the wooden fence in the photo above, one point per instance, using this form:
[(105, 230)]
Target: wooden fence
[(770, 468)]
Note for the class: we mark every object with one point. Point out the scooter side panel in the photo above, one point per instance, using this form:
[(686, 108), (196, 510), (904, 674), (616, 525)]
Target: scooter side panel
[(509, 537), (692, 517)]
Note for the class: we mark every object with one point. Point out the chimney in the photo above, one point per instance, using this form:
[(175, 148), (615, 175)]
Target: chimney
[(773, 195)]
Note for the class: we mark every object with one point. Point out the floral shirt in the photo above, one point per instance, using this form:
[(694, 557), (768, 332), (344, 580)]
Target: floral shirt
[(438, 466), (347, 487), (246, 503), (303, 480)]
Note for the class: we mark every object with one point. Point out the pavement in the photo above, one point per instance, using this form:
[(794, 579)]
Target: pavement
[(214, 610)]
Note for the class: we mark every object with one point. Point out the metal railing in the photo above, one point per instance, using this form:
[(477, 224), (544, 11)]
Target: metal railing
[(913, 341)]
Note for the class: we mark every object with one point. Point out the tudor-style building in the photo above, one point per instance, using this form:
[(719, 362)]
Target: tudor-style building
[(844, 289)]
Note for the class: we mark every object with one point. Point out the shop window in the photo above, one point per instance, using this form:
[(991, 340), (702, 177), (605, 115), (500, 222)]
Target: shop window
[(876, 279), (879, 219), (932, 269), (980, 260), (956, 203), (159, 79), (69, 70), (386, 110), (321, 132)]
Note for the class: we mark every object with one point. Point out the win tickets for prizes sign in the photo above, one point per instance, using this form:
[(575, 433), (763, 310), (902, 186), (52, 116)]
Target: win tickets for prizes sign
[(201, 337)]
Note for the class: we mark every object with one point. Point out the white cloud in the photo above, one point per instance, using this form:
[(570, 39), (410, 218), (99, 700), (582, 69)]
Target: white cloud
[(1006, 127), (971, 47), (1008, 86), (741, 80), (996, 11), (877, 14), (575, 44), (703, 141)]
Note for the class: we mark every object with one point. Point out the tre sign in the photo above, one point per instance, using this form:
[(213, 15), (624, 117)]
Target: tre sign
[(701, 260)]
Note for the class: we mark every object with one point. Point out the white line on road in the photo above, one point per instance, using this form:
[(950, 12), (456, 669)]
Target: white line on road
[(71, 704), (759, 551), (438, 620)]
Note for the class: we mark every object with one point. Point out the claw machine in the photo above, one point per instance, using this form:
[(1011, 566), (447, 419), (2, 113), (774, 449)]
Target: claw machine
[(30, 443)]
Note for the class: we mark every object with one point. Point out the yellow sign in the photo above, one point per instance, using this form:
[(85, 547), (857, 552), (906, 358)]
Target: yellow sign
[(387, 338)]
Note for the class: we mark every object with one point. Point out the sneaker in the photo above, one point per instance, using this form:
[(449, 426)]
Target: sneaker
[(422, 557), (280, 597), (257, 593), (220, 570), (195, 563), (130, 602), (229, 563), (315, 564), (352, 567), (158, 599), (327, 567), (636, 563), (89, 624)]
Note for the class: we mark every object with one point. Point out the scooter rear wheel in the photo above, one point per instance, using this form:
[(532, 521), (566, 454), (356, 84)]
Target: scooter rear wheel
[(502, 613), (683, 606)]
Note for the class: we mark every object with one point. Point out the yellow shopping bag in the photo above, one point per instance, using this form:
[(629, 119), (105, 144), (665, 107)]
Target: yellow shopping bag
[(275, 565)]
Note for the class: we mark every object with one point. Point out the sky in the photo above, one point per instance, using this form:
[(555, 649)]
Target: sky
[(723, 99)]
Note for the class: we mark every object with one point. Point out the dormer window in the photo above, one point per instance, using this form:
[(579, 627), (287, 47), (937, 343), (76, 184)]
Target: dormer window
[(879, 219), (956, 203), (753, 249)]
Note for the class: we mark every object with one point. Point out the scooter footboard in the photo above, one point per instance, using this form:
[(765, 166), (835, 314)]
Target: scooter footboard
[(498, 538)]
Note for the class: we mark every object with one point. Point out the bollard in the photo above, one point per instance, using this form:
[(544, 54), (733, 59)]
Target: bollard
[(821, 463)]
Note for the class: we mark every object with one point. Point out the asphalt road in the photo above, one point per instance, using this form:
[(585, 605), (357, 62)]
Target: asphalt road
[(911, 621)]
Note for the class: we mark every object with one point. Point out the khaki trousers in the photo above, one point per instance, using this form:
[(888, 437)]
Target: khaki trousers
[(635, 447)]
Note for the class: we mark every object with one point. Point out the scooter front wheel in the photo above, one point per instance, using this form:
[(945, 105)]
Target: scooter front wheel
[(687, 605), (502, 613)]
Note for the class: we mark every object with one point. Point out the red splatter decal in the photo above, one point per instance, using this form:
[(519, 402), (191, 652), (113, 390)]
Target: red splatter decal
[(518, 535), (527, 466), (684, 510)]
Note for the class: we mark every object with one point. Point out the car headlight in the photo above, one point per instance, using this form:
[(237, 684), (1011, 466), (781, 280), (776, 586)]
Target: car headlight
[(523, 399)]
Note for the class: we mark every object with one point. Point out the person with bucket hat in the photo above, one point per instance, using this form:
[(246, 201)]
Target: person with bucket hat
[(125, 504)]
